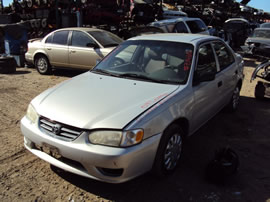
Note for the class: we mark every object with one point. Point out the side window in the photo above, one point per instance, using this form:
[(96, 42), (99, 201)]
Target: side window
[(60, 37), (49, 39), (81, 39), (180, 27), (225, 56), (206, 60), (196, 26)]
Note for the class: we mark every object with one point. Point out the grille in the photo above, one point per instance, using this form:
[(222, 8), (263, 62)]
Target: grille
[(59, 130)]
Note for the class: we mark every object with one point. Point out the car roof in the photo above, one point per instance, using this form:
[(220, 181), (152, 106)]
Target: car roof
[(177, 37), (265, 23), (174, 20), (86, 29), (237, 19), (263, 28)]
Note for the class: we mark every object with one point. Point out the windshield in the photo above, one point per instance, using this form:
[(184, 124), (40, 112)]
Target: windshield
[(154, 61), (106, 39), (262, 33)]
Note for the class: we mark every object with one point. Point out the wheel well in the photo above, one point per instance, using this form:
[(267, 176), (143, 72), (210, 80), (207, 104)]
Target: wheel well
[(38, 55), (183, 123)]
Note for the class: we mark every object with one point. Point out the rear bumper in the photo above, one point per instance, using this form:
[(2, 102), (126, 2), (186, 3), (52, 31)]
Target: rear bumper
[(86, 159), (29, 58)]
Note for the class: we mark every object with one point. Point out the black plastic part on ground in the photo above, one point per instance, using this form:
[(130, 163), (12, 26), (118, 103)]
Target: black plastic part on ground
[(7, 65)]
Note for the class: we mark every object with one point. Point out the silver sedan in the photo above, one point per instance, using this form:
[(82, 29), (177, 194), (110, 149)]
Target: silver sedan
[(130, 114)]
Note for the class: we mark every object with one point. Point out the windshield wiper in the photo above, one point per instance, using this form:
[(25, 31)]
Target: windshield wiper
[(104, 72), (141, 77)]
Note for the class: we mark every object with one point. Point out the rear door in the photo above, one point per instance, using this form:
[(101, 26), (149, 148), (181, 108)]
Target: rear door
[(56, 47), (227, 68), (84, 52)]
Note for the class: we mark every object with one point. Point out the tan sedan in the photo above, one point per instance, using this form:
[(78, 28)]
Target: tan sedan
[(79, 48)]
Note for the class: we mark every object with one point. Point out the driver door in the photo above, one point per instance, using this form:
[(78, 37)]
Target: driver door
[(206, 93), (83, 51)]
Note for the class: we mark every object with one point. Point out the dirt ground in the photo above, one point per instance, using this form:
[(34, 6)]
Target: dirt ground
[(24, 177)]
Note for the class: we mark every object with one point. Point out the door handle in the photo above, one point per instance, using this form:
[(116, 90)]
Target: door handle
[(72, 51), (49, 49), (219, 83)]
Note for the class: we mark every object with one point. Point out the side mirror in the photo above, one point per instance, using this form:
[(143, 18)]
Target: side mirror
[(92, 45)]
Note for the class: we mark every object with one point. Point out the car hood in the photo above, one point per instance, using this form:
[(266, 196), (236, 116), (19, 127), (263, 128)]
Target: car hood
[(258, 40), (97, 101)]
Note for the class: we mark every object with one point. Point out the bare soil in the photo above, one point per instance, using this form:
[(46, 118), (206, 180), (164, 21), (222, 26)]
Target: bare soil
[(24, 177)]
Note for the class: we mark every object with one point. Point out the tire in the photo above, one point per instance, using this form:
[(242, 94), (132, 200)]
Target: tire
[(44, 23), (169, 151), (29, 3), (42, 64), (259, 90), (234, 102), (7, 65)]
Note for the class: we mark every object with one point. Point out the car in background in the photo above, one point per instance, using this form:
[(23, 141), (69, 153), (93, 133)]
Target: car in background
[(237, 31), (182, 25), (78, 48), (170, 11), (265, 25), (134, 109), (258, 43), (262, 88)]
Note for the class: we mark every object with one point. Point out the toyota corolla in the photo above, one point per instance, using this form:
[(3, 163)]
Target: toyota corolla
[(131, 113)]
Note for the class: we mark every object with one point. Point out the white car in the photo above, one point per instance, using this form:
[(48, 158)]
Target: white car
[(182, 25), (130, 114)]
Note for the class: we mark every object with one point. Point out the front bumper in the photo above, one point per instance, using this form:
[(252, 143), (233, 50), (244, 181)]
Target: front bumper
[(86, 159)]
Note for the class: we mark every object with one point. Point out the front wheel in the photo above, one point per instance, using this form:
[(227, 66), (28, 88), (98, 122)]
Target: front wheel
[(169, 151), (42, 64)]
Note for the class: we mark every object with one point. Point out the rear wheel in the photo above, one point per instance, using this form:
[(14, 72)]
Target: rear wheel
[(169, 151), (42, 64), (234, 103)]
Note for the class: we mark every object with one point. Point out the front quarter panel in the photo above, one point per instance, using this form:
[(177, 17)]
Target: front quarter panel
[(157, 118)]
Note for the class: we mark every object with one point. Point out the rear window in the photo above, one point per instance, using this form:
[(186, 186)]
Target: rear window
[(196, 26), (60, 37)]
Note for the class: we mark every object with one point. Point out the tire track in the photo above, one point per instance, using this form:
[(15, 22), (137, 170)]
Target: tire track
[(13, 157)]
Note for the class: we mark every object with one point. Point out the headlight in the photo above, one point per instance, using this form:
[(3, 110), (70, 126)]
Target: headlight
[(31, 114), (116, 138)]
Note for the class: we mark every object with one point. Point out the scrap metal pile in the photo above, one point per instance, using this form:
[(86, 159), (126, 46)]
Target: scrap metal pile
[(44, 15), (122, 16)]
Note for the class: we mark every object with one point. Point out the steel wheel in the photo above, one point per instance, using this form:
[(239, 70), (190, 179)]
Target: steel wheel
[(235, 98), (173, 152), (234, 102), (169, 151), (42, 65)]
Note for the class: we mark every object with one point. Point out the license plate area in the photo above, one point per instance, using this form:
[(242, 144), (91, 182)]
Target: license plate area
[(49, 149)]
